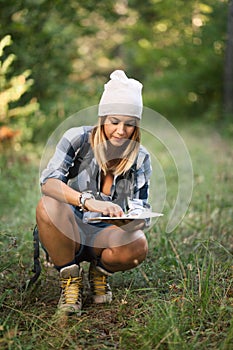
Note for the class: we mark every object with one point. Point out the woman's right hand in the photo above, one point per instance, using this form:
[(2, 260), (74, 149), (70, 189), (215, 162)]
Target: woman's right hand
[(104, 207)]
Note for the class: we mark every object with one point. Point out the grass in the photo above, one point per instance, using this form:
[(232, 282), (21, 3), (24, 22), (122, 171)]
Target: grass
[(181, 297)]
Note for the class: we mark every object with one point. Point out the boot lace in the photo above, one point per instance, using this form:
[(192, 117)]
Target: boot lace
[(98, 283), (71, 290)]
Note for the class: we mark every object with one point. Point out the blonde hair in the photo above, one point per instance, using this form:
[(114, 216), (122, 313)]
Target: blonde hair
[(101, 148)]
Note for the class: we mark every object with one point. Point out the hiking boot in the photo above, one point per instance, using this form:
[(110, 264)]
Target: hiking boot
[(71, 290), (100, 289)]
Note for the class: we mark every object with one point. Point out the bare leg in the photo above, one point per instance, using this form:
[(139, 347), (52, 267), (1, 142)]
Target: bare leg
[(58, 230), (121, 253)]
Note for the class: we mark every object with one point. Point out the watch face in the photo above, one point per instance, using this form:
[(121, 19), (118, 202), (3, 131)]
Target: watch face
[(85, 196), (88, 195)]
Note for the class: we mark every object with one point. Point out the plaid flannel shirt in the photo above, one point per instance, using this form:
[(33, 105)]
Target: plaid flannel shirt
[(130, 191)]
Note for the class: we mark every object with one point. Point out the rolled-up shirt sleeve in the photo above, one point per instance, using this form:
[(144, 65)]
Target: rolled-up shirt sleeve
[(64, 155)]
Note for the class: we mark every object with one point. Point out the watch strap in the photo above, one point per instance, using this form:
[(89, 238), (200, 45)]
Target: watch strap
[(83, 197)]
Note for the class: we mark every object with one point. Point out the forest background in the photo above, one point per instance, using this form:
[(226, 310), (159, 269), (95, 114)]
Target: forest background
[(55, 57)]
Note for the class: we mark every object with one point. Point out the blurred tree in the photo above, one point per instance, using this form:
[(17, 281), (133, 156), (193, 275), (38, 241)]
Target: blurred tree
[(178, 50), (42, 41), (12, 90), (228, 82), (71, 47), (46, 36)]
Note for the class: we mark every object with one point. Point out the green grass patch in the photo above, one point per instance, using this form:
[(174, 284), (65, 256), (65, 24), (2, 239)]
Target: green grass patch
[(181, 297)]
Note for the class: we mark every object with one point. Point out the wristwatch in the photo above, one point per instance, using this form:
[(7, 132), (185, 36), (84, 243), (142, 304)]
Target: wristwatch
[(83, 197)]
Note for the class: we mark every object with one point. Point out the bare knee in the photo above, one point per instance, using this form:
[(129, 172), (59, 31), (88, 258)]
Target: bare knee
[(44, 209), (51, 210), (127, 256), (137, 251), (40, 210)]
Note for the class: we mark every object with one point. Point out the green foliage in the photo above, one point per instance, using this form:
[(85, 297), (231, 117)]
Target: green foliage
[(12, 114), (70, 48), (184, 53)]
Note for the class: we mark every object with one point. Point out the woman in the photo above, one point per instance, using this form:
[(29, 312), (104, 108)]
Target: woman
[(97, 171)]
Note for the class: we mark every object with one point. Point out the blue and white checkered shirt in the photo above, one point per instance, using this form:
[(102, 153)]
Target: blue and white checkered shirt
[(130, 191)]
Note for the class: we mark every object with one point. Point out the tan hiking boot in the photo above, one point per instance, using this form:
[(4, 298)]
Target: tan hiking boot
[(100, 289), (71, 290)]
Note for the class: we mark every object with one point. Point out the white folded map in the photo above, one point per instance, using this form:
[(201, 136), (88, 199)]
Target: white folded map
[(143, 215)]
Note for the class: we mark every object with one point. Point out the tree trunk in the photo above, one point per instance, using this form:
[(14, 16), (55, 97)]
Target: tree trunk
[(228, 78)]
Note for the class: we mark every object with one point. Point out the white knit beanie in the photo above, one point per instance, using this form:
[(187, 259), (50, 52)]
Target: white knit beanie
[(121, 96)]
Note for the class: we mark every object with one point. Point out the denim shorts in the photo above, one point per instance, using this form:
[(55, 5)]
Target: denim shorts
[(88, 233)]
